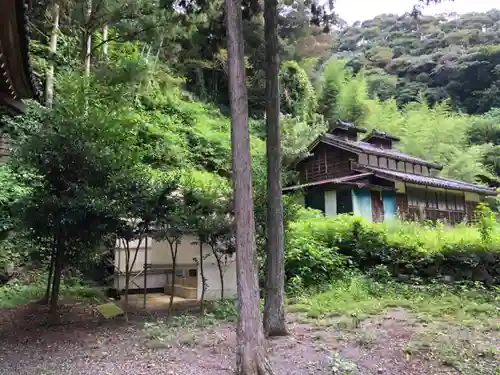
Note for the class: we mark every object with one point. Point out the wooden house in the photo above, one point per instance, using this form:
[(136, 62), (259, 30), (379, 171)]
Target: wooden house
[(368, 176)]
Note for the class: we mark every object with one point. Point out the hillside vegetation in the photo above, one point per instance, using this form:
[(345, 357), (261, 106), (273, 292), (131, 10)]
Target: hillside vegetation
[(448, 56)]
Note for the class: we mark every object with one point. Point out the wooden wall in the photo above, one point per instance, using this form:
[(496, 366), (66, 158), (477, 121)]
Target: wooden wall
[(326, 163)]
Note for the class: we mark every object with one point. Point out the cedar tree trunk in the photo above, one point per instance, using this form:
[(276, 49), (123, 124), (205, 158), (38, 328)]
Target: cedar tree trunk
[(274, 306), (251, 352)]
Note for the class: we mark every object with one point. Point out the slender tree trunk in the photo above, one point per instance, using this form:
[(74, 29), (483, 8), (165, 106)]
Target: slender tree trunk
[(203, 280), (56, 284), (146, 268), (46, 297), (87, 39), (221, 275), (127, 278), (274, 305), (251, 352), (49, 79), (104, 41), (173, 252)]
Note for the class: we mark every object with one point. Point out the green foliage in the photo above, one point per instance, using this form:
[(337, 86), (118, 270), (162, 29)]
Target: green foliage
[(335, 76), (358, 297), (13, 190), (352, 101), (442, 58), (318, 249), (311, 259), (21, 291), (225, 310), (486, 223), (298, 97)]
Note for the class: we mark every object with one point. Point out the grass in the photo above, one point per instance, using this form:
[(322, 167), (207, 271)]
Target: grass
[(17, 293), (456, 325), (362, 297)]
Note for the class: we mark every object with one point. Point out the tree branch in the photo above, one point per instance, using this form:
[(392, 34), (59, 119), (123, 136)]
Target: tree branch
[(122, 39)]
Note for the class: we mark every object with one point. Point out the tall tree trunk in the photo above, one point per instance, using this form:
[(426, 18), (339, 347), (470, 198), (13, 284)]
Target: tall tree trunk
[(221, 275), (251, 352), (274, 306), (104, 41), (49, 78), (54, 298), (203, 279), (87, 39), (173, 244), (127, 278), (46, 297)]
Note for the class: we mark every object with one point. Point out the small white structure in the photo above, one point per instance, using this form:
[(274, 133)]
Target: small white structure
[(157, 276)]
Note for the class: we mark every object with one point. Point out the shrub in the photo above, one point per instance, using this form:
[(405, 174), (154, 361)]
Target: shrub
[(319, 249), (311, 257)]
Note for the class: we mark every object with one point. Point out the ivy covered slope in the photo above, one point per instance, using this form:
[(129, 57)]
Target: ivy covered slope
[(447, 56)]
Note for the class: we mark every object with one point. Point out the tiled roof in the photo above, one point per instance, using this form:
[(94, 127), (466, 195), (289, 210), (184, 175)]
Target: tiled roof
[(441, 182), (360, 146)]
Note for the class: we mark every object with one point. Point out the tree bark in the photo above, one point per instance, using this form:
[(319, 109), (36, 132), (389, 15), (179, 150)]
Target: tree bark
[(49, 78), (221, 275), (251, 352), (274, 305), (56, 284), (127, 278), (203, 279), (104, 41), (173, 244), (87, 39), (46, 297)]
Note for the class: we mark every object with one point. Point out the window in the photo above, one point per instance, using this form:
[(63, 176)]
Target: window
[(409, 167), (450, 201), (416, 197), (363, 159), (401, 166), (432, 201), (417, 169), (392, 164), (441, 200), (373, 160), (425, 171), (382, 162), (460, 202), (455, 201)]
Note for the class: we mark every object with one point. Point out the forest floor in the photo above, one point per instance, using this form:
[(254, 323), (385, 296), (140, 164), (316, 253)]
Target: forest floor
[(344, 331)]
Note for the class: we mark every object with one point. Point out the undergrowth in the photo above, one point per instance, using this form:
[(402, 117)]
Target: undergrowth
[(17, 292), (321, 249), (364, 296)]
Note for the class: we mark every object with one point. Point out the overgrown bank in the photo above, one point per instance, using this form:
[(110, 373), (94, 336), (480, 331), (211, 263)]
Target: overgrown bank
[(320, 249)]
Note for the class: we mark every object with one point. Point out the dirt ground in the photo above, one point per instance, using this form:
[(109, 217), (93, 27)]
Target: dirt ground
[(84, 344)]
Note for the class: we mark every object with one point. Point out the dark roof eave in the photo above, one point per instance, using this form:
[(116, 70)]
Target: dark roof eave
[(472, 189), (22, 22)]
